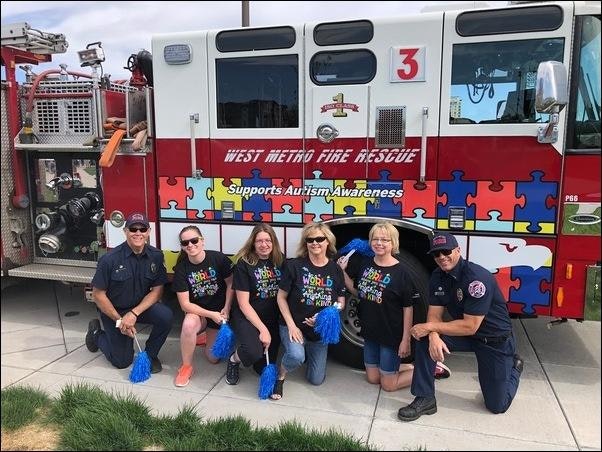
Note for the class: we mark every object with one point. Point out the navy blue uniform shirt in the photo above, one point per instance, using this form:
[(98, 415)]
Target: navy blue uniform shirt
[(471, 289), (128, 277)]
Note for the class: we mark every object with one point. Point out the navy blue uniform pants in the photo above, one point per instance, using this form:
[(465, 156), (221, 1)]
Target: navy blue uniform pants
[(497, 376), (119, 348)]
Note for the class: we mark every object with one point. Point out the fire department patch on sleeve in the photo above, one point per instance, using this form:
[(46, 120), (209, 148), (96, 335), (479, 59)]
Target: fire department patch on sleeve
[(476, 289)]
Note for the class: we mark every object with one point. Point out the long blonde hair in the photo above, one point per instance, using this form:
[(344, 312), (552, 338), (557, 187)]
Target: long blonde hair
[(248, 254), (331, 251)]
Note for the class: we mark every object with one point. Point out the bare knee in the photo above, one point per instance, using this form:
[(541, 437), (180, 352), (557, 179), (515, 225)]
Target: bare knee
[(388, 386)]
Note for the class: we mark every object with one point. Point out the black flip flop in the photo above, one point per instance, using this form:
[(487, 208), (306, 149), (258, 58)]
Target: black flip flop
[(277, 389)]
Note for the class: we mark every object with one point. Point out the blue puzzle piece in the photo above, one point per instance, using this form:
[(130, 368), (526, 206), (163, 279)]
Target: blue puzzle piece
[(256, 203), (494, 224), (318, 205), (456, 191), (172, 212), (287, 216), (529, 293), (430, 222), (535, 210), (385, 207), (200, 195)]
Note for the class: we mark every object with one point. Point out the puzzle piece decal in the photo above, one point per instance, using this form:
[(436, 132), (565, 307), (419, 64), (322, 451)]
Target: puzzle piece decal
[(540, 205), (503, 200), (531, 291), (457, 192), (173, 189)]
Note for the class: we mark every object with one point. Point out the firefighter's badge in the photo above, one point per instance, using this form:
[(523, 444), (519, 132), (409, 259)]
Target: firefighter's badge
[(153, 267), (459, 295), (476, 289)]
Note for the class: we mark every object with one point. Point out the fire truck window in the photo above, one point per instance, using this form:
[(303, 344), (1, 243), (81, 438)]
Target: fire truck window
[(494, 82), (45, 173), (258, 92), (340, 33), (85, 171), (500, 21), (586, 115), (255, 39), (345, 67)]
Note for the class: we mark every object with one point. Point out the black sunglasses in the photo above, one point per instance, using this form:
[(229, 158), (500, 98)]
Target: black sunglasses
[(314, 239), (194, 241), (133, 230), (440, 252)]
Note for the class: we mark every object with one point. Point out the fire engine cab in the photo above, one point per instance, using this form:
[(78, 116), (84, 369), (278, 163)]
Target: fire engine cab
[(485, 123)]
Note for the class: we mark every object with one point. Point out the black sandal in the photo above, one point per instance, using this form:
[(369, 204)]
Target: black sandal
[(277, 390)]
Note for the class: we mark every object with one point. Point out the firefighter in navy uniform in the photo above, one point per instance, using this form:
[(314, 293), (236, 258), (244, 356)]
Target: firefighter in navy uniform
[(480, 324)]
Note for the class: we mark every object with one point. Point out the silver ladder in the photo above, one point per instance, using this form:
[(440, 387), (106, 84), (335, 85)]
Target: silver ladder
[(22, 36)]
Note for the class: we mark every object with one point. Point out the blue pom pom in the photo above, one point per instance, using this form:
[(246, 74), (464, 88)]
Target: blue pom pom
[(141, 369), (224, 342), (267, 381), (328, 325), (360, 246)]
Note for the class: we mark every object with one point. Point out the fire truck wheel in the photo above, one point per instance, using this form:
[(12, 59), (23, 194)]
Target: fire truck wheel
[(349, 350)]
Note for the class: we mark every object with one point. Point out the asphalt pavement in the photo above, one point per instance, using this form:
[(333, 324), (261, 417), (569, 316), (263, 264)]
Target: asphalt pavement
[(557, 406)]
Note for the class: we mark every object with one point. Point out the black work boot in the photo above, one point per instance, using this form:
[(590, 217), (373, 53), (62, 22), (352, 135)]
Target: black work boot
[(93, 330), (420, 406)]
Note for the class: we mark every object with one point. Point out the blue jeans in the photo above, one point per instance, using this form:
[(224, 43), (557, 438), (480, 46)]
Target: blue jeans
[(314, 354), (385, 358)]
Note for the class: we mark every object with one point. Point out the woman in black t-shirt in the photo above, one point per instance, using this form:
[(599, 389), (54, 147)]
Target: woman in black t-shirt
[(203, 284), (255, 312), (311, 282), (386, 296)]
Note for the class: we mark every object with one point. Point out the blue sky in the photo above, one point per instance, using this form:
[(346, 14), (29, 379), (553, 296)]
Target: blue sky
[(126, 27)]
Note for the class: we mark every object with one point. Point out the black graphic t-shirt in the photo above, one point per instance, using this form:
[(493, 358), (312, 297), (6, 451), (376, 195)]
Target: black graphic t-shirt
[(383, 293), (261, 281), (205, 282), (311, 289)]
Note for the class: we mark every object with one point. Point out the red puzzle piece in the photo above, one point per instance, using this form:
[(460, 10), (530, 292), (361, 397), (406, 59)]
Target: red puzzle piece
[(173, 189), (488, 198), (505, 281), (426, 199)]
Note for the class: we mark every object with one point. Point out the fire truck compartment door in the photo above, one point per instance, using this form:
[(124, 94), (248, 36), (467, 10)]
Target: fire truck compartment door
[(338, 131), (343, 107)]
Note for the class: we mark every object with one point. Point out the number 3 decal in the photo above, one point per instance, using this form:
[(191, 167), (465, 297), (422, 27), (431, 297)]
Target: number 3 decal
[(407, 64), (410, 62)]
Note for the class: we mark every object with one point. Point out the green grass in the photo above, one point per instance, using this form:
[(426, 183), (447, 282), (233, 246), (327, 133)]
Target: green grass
[(90, 419), (21, 406)]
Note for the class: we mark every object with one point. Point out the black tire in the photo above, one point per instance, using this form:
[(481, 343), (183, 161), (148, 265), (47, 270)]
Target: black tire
[(349, 350)]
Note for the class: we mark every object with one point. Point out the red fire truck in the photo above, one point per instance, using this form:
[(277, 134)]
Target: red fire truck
[(485, 123)]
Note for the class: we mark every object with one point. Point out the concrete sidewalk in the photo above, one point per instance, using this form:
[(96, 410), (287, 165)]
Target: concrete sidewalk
[(557, 406)]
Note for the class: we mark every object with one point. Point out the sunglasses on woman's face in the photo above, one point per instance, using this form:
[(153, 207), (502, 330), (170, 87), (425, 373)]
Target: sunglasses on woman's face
[(315, 239), (440, 252), (194, 241)]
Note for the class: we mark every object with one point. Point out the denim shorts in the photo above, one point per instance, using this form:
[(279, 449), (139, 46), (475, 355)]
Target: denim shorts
[(377, 355)]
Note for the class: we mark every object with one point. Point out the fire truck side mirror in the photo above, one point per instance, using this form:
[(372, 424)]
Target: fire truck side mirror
[(552, 87)]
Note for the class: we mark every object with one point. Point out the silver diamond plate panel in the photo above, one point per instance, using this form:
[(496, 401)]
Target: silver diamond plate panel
[(55, 273), (390, 127), (11, 256)]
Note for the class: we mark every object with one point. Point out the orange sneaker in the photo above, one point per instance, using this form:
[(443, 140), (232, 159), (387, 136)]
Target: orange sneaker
[(201, 339), (184, 374)]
